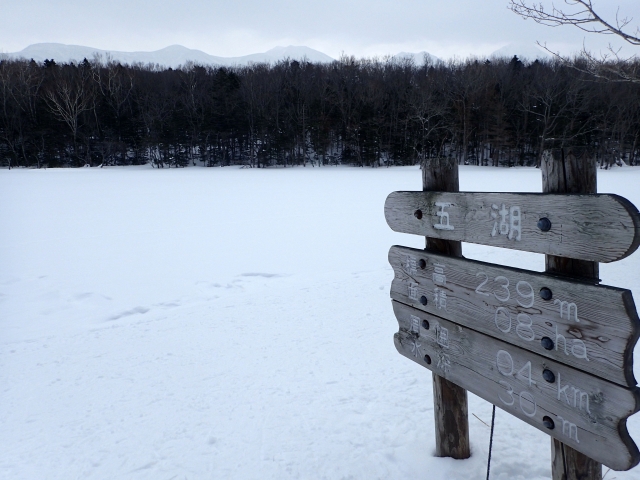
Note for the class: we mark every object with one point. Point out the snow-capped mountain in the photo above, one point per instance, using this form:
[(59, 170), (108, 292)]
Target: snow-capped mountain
[(171, 56), (524, 51), (418, 58), (279, 53)]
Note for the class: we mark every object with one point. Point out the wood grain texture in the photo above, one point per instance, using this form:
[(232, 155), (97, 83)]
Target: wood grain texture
[(451, 411), (569, 464), (589, 414), (563, 174), (450, 403), (441, 175), (601, 342), (599, 228), (571, 171)]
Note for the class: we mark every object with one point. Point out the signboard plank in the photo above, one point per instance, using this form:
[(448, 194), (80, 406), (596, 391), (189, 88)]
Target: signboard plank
[(591, 327), (583, 411), (599, 228)]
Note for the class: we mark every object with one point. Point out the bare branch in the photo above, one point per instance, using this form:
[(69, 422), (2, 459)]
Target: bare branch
[(585, 18), (609, 67), (582, 14)]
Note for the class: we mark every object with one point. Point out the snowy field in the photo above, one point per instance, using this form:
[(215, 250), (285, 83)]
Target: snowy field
[(231, 323)]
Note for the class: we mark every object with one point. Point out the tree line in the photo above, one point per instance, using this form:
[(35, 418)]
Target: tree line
[(364, 112)]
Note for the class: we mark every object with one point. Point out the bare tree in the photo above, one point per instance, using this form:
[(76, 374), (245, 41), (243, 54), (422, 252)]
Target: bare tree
[(427, 109), (583, 15), (68, 95), (115, 85), (20, 84)]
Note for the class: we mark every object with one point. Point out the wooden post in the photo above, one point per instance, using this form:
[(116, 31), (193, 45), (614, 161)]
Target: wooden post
[(570, 170), (449, 400)]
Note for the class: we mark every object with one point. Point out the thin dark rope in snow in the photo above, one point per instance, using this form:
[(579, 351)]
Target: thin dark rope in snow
[(493, 421)]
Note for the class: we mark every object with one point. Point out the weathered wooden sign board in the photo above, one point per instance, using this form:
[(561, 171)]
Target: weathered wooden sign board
[(598, 228), (593, 328), (554, 351), (583, 411)]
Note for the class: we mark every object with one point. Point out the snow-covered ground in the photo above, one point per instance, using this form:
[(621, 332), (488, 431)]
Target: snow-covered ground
[(230, 323)]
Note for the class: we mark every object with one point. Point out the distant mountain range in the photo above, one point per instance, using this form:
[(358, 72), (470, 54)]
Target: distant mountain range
[(172, 56), (176, 55)]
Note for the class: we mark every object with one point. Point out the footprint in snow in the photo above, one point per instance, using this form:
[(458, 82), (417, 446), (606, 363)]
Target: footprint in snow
[(85, 295), (127, 313), (263, 275), (167, 304)]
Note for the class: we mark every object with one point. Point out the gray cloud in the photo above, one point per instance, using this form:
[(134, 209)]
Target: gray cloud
[(231, 28)]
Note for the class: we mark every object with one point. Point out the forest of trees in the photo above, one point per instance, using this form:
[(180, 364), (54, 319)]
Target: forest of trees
[(357, 112)]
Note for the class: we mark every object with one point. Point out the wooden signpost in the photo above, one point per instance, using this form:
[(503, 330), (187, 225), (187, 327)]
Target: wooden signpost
[(574, 172), (599, 228), (554, 349)]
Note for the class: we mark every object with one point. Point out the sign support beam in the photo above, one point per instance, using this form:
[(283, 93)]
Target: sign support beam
[(450, 400), (567, 170)]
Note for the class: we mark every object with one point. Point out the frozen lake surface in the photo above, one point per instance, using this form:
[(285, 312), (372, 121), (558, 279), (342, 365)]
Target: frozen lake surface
[(231, 323)]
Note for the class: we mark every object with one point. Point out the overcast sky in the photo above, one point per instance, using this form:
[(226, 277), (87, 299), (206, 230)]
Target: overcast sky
[(238, 27)]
